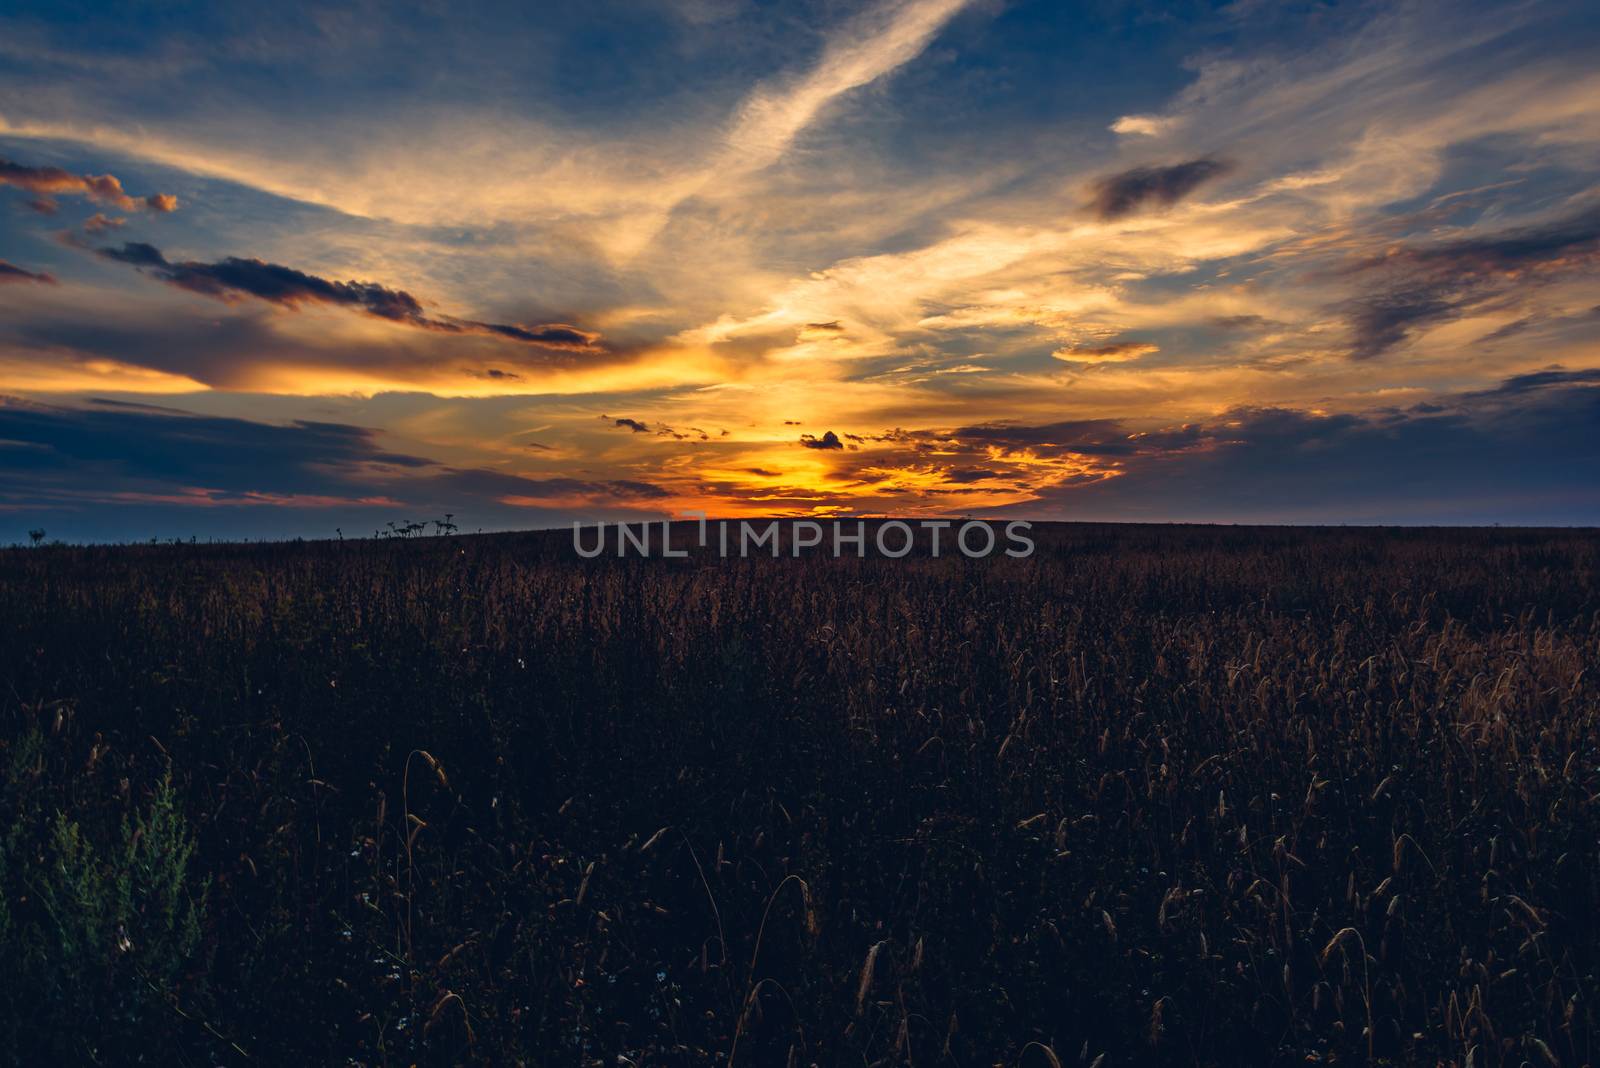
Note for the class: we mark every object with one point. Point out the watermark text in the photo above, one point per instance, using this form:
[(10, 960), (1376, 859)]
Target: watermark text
[(974, 539)]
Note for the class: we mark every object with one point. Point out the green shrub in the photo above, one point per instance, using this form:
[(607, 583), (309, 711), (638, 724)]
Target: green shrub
[(95, 932)]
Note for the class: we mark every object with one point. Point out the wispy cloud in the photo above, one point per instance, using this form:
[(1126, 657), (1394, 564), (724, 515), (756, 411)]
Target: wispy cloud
[(772, 117), (873, 45)]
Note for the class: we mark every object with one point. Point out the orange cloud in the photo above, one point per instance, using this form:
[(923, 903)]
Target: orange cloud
[(104, 188)]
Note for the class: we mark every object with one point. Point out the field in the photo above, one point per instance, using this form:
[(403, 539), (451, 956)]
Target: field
[(1175, 795)]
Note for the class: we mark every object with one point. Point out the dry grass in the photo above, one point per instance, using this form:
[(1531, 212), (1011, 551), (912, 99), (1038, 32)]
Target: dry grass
[(1187, 796)]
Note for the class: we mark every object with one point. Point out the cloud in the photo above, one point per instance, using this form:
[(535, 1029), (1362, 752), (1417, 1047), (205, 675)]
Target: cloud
[(10, 272), (1131, 190), (549, 335), (1535, 381), (878, 42), (99, 223), (965, 475), (1084, 437), (66, 460), (233, 277), (140, 447), (1526, 451), (866, 48), (1415, 285), (1240, 322), (104, 188), (830, 440), (1567, 242), (48, 341), (1381, 321), (1116, 352), (1142, 125), (478, 483), (661, 430), (137, 253)]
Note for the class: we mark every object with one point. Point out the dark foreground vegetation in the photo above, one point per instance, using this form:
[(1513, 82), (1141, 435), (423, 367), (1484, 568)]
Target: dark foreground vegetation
[(1153, 796)]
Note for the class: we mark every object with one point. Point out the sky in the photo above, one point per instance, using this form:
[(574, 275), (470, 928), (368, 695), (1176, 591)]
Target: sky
[(297, 270)]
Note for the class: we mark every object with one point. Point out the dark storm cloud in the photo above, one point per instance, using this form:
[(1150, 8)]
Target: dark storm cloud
[(10, 272), (1382, 321), (1419, 285), (829, 440), (966, 475), (553, 335), (1537, 380), (143, 449), (137, 253), (1525, 451), (1131, 190), (1240, 322), (1114, 352), (56, 457), (470, 483), (219, 353), (103, 188), (1572, 240), (233, 277), (1116, 348), (630, 488), (661, 430), (1095, 437)]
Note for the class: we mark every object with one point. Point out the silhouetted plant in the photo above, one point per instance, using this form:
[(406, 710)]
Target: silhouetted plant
[(103, 930)]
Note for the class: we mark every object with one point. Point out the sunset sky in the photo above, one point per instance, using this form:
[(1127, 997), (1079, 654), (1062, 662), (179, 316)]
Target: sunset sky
[(270, 270)]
